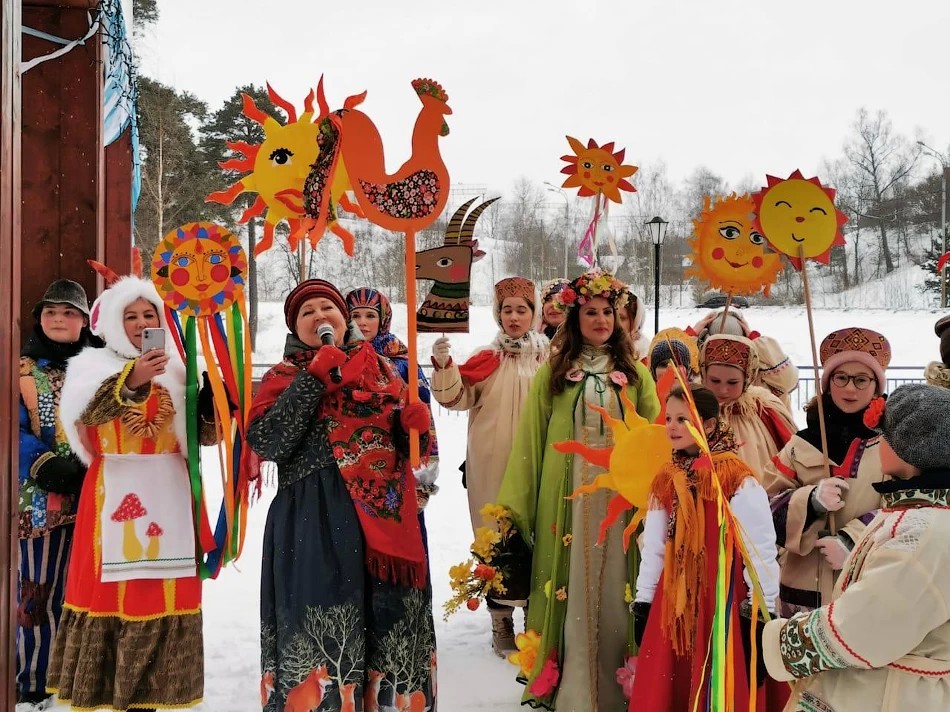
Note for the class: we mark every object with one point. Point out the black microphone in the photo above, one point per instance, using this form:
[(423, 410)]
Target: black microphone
[(326, 336)]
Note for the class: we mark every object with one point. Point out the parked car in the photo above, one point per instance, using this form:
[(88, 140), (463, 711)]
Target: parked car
[(718, 301)]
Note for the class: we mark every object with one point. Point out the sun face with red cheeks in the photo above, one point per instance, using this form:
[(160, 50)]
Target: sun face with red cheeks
[(597, 170), (728, 252), (199, 269)]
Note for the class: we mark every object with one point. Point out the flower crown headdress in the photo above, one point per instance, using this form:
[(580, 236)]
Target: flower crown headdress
[(591, 284)]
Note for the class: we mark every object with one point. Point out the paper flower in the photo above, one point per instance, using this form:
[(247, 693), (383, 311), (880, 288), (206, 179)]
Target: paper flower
[(625, 676), (561, 593), (575, 375), (545, 682), (874, 412), (618, 378), (567, 539), (528, 644)]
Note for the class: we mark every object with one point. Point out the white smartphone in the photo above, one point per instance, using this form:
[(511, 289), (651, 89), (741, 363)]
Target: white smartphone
[(153, 339)]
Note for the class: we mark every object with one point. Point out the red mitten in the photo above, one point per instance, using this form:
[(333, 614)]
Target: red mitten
[(326, 359), (415, 416)]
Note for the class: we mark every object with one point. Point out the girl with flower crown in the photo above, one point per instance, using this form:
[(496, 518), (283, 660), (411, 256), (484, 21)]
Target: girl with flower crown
[(806, 503), (579, 627), (492, 386)]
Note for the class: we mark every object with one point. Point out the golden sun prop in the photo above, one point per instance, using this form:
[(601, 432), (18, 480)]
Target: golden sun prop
[(798, 217), (597, 170), (728, 252), (635, 441), (278, 168)]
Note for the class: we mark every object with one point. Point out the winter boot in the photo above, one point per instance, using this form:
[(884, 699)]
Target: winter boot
[(502, 632)]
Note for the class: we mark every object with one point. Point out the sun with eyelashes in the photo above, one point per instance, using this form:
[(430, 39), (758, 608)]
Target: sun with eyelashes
[(728, 252), (798, 217)]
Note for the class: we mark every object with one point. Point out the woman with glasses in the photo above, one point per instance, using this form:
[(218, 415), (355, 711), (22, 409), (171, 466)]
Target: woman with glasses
[(818, 518)]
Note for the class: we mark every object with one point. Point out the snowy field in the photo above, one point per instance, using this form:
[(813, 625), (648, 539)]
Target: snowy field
[(470, 676)]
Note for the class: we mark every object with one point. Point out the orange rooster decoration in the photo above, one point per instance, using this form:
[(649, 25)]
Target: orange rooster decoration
[(407, 201)]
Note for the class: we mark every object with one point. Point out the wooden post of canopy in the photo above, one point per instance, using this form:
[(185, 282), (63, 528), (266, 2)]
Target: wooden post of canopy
[(9, 334)]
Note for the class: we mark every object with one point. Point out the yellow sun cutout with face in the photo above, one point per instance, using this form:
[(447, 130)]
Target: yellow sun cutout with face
[(597, 170), (279, 167), (799, 218), (728, 252)]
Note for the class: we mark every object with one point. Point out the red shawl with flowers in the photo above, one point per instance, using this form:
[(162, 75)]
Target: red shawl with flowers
[(360, 419)]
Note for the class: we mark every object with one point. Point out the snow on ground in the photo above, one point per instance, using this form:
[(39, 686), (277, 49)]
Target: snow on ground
[(470, 676)]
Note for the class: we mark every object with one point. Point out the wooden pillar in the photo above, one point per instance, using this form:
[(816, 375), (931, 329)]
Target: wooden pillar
[(9, 335), (62, 190), (117, 225)]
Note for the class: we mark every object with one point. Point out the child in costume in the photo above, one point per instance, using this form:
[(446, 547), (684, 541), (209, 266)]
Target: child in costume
[(371, 312), (50, 477), (883, 641), (631, 318), (673, 346), (493, 387), (676, 593), (806, 503), (131, 632), (760, 420), (577, 615)]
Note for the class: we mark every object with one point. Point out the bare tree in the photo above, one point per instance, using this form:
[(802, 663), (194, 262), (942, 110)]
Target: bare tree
[(882, 161), (337, 633)]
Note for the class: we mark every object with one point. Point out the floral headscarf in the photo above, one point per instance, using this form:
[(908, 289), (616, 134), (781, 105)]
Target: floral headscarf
[(384, 343)]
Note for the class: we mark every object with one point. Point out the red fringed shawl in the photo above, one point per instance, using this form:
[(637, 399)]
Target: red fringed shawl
[(360, 420)]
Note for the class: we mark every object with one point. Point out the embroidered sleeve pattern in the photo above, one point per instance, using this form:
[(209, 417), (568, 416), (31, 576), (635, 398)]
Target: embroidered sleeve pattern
[(277, 433), (806, 646)]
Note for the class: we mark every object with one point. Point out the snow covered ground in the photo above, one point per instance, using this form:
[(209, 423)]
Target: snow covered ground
[(470, 676)]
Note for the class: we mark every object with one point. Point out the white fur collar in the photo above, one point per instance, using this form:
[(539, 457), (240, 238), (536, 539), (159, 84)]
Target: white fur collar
[(87, 371)]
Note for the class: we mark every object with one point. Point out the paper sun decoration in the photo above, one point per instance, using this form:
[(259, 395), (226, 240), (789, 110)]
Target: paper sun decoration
[(640, 449), (728, 252), (598, 172), (199, 270), (799, 218), (277, 169), (445, 308)]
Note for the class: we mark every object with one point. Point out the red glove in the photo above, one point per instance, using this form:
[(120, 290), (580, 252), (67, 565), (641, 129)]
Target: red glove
[(326, 358), (415, 416)]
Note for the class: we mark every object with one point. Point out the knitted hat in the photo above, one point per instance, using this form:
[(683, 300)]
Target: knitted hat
[(683, 350), (514, 287), (308, 290), (369, 298), (735, 351), (854, 343), (63, 291), (550, 289), (940, 328), (916, 423)]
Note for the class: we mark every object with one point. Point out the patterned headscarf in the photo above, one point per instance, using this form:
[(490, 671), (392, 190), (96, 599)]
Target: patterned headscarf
[(735, 351), (384, 343)]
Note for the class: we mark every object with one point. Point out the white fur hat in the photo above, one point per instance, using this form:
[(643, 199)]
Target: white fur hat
[(106, 319)]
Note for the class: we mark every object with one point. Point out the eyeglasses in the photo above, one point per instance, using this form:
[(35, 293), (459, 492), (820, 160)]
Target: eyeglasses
[(860, 381)]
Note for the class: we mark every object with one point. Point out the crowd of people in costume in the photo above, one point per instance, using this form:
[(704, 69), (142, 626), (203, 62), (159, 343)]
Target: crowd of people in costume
[(837, 575)]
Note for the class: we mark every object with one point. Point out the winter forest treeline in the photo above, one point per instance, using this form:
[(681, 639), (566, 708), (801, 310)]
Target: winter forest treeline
[(888, 185)]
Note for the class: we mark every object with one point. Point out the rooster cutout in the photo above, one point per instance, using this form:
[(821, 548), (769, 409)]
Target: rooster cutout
[(445, 308), (635, 441), (277, 170), (407, 201)]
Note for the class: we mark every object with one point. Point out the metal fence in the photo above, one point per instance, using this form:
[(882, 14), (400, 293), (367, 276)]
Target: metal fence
[(896, 376)]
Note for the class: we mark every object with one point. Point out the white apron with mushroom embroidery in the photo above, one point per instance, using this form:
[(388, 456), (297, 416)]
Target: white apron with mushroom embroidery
[(144, 531)]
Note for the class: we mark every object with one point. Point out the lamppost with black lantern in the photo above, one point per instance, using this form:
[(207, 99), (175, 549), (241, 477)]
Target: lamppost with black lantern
[(657, 233)]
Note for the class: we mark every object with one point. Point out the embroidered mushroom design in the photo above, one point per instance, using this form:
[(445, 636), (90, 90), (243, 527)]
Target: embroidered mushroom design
[(153, 533), (127, 512)]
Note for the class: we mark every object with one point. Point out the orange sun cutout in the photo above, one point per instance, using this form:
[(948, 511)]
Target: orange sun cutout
[(596, 170), (278, 168), (728, 252), (799, 218)]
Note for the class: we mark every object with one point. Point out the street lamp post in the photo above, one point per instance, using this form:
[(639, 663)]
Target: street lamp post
[(943, 214), (657, 233), (567, 221)]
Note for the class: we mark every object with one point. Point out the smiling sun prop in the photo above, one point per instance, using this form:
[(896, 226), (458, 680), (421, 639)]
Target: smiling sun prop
[(640, 449), (278, 168), (598, 172), (728, 252), (799, 218)]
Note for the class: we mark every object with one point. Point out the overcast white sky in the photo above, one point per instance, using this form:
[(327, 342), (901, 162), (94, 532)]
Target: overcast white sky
[(743, 87)]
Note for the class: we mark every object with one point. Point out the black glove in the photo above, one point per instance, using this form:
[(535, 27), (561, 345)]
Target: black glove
[(745, 630), (641, 614), (61, 475), (206, 399)]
